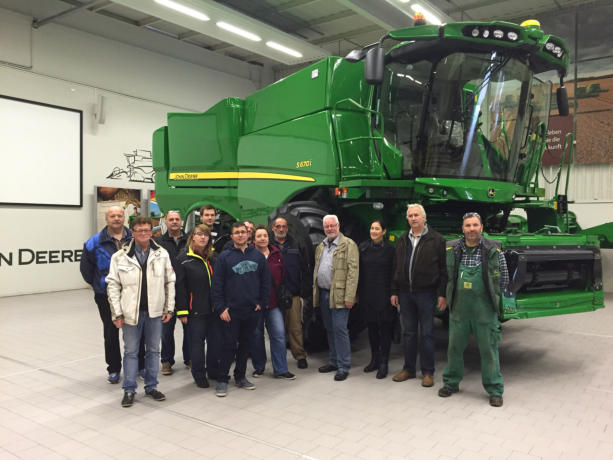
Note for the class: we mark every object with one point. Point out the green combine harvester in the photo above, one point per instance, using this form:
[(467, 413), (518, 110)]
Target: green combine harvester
[(453, 117)]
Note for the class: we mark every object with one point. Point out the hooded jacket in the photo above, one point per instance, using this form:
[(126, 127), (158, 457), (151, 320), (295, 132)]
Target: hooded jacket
[(241, 280), (125, 280)]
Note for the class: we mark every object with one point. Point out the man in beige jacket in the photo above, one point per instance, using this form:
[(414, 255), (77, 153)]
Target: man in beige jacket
[(141, 290), (334, 289)]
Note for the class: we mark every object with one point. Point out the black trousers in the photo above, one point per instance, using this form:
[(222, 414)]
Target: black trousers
[(112, 350), (197, 332), (380, 338), (235, 337)]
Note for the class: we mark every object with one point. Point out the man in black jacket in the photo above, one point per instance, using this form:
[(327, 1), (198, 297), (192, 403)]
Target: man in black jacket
[(299, 281), (418, 287), (174, 242)]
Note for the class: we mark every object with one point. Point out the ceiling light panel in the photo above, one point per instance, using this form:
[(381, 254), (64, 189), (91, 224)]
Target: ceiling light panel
[(237, 29)]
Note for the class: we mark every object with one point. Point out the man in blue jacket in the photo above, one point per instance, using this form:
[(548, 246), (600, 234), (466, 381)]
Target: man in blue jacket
[(240, 288), (95, 262)]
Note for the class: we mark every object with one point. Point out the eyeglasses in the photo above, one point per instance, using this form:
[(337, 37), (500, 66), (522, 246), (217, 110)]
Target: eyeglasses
[(471, 214), (331, 226), (200, 234), (240, 232), (142, 232)]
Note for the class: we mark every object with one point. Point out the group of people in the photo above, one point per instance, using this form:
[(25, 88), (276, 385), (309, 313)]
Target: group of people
[(225, 298)]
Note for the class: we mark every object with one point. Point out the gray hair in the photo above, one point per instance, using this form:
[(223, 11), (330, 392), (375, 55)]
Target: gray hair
[(173, 211), (417, 205), (331, 216)]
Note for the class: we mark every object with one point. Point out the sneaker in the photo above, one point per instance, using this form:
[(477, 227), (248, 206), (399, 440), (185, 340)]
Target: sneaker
[(302, 363), (245, 384), (141, 374), (156, 395), (128, 399), (445, 392), (496, 401), (327, 368), (113, 377), (166, 369), (286, 376), (221, 389), (258, 373)]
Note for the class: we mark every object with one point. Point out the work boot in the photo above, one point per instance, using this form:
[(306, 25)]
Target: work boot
[(427, 380), (128, 399), (403, 375), (382, 372), (496, 401), (445, 392), (166, 369), (302, 363)]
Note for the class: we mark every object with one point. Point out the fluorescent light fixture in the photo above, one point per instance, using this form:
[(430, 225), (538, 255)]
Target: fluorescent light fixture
[(283, 49), (238, 31), (404, 1), (429, 16), (183, 9)]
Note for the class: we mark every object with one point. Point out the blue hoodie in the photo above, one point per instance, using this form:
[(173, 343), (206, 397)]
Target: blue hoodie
[(240, 281)]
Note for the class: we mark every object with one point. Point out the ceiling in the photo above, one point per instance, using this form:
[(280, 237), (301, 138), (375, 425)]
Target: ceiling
[(321, 27)]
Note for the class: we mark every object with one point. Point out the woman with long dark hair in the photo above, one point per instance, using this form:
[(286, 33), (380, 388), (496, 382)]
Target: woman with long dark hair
[(271, 315), (376, 265), (193, 296)]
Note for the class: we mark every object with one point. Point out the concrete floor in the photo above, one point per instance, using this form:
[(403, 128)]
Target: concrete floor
[(55, 402)]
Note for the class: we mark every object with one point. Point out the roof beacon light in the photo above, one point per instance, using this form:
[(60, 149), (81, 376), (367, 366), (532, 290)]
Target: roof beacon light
[(531, 23), (419, 19)]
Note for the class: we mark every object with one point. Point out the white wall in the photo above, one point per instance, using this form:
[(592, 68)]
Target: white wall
[(71, 68)]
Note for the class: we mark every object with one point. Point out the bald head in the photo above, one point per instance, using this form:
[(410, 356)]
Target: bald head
[(114, 217)]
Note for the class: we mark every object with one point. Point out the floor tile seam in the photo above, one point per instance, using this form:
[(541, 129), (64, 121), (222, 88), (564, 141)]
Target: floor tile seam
[(224, 429), (43, 368)]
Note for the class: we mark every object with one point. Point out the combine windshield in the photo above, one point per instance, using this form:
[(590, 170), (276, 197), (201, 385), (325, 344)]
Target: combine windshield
[(464, 115)]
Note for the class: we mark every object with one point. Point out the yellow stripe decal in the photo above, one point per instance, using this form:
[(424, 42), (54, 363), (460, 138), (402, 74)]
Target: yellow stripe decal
[(236, 175)]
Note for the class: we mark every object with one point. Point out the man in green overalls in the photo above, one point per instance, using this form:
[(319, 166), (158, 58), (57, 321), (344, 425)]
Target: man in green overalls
[(477, 276)]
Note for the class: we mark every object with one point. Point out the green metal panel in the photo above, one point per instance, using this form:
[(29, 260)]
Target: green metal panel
[(205, 141), (299, 94)]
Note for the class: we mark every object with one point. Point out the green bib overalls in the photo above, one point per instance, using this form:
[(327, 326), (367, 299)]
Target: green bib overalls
[(472, 312)]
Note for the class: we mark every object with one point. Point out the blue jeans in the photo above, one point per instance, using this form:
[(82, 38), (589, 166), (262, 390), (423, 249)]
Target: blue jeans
[(273, 318), (335, 322), (196, 332), (168, 342), (152, 330), (417, 311)]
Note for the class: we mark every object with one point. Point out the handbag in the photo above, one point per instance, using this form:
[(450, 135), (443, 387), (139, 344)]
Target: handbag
[(284, 296)]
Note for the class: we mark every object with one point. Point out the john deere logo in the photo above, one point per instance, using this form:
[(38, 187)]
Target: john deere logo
[(491, 192)]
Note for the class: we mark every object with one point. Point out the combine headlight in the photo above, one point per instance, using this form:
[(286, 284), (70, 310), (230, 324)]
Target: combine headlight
[(475, 32), (512, 36), (549, 46), (498, 34), (486, 33), (557, 50)]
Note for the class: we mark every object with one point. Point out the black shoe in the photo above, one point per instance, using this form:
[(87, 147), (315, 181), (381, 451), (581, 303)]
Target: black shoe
[(340, 376), (258, 373), (302, 363), (382, 372), (128, 399), (445, 392), (372, 366), (156, 395), (286, 376), (327, 368), (496, 401), (202, 383)]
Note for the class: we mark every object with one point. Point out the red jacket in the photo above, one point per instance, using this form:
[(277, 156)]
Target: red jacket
[(277, 273)]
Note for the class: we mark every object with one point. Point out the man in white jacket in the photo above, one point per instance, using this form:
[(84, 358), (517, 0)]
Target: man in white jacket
[(141, 291)]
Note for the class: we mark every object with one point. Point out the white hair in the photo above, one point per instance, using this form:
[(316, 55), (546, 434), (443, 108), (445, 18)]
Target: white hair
[(417, 205), (173, 211), (331, 216)]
